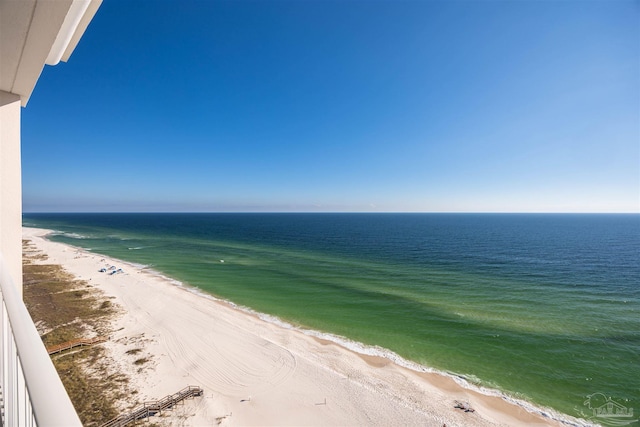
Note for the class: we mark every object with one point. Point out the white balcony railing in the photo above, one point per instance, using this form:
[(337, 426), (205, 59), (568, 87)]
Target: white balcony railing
[(32, 393)]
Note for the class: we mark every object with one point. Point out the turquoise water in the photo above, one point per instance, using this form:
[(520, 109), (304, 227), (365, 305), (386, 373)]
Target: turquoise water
[(545, 308)]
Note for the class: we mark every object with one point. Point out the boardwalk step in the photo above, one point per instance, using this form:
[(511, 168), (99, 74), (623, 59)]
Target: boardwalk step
[(149, 409)]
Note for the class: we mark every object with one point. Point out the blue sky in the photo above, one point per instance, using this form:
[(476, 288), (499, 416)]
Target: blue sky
[(481, 106)]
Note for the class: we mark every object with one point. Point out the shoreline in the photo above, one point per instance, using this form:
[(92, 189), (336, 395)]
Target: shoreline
[(259, 370)]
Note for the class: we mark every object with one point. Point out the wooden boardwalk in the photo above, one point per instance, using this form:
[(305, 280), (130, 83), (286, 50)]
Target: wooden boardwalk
[(151, 408), (59, 348)]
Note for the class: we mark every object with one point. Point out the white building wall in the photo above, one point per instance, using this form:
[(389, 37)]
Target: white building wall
[(11, 186)]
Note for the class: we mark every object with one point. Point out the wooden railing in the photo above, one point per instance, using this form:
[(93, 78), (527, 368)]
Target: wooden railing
[(149, 409)]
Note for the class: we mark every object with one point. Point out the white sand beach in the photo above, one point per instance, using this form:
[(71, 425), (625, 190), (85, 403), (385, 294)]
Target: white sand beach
[(255, 372)]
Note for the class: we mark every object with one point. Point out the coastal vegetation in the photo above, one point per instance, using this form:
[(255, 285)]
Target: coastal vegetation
[(66, 309)]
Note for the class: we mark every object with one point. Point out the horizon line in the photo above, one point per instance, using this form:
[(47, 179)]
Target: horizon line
[(346, 212)]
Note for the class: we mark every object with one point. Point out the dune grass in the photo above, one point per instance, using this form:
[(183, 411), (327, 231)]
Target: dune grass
[(65, 309)]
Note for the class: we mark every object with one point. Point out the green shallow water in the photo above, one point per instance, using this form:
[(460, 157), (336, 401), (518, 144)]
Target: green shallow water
[(544, 308)]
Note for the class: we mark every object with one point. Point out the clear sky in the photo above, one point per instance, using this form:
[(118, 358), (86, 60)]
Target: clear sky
[(483, 106)]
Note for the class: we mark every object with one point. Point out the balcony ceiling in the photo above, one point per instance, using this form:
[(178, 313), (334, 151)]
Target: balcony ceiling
[(38, 32)]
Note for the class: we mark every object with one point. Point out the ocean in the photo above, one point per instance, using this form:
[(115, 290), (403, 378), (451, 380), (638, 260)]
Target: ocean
[(544, 308)]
